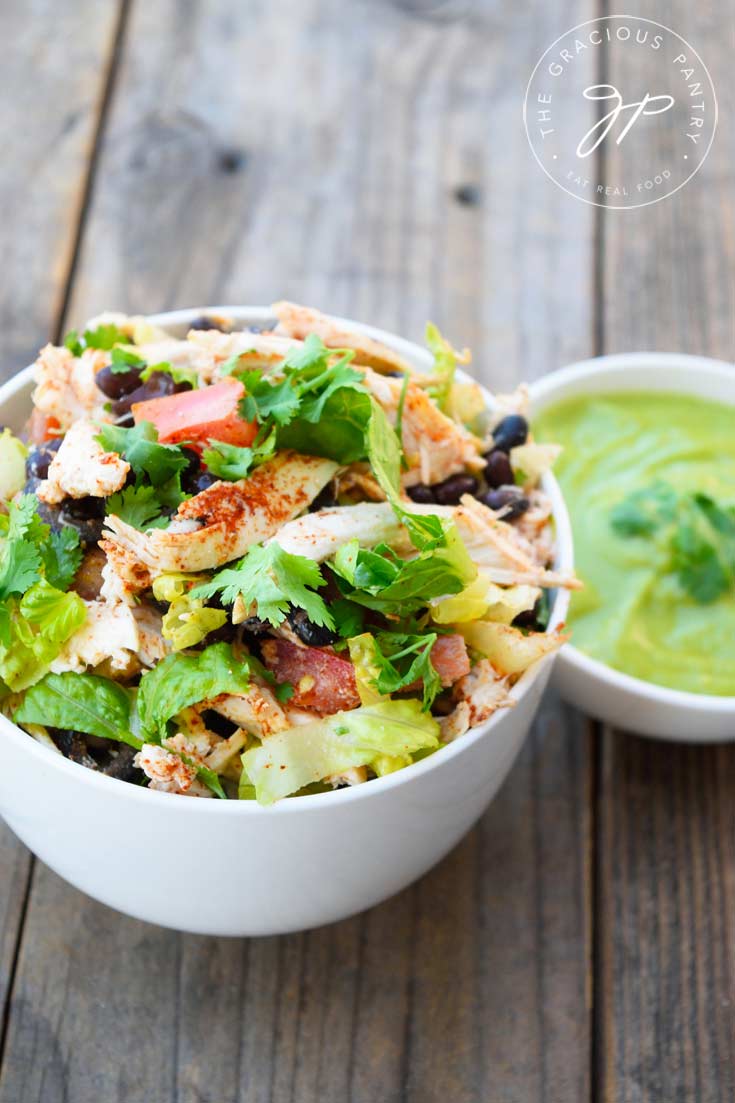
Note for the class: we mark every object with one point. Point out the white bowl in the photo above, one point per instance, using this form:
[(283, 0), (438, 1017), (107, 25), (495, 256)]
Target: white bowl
[(234, 868), (594, 687)]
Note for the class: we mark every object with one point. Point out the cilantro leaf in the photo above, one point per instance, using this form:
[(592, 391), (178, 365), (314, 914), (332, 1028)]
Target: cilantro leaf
[(320, 405), (137, 505), (268, 401), (139, 446), (73, 343), (380, 580), (272, 580), (20, 560), (228, 461), (62, 556), (179, 373), (339, 435), (645, 510), (404, 660), (105, 337), (698, 567), (122, 360)]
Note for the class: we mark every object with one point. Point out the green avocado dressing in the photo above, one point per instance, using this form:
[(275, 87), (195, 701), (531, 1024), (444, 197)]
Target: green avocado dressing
[(659, 597)]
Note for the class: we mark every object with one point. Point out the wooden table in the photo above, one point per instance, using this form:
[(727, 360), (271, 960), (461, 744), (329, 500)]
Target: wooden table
[(369, 158)]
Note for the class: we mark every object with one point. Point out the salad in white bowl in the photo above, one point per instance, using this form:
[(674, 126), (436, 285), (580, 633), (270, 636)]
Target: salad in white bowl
[(258, 563)]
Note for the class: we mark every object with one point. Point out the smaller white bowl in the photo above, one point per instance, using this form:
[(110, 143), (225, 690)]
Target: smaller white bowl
[(595, 688)]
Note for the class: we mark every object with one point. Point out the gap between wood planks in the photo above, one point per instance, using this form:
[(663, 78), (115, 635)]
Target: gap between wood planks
[(57, 329)]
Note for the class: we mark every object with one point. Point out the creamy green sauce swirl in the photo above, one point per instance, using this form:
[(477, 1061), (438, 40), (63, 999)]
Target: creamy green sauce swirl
[(634, 613)]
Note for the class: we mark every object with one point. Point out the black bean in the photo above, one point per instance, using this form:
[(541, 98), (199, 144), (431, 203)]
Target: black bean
[(510, 432), (498, 471), (86, 515), (451, 490), (509, 498), (218, 723), (205, 322), (120, 765), (325, 499), (198, 481), (314, 635), (158, 385), (117, 384), (40, 457), (421, 493), (255, 626)]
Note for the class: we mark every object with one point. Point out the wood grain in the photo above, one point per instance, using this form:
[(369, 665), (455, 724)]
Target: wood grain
[(51, 83), (666, 1026), (328, 157)]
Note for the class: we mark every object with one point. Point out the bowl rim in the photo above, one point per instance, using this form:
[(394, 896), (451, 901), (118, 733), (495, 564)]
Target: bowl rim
[(618, 366), (339, 797)]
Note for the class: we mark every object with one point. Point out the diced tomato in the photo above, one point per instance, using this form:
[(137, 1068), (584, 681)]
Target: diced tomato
[(197, 416), (42, 427), (326, 682), (450, 659), (322, 680)]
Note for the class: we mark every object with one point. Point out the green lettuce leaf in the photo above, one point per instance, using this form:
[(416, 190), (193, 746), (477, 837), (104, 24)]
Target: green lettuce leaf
[(181, 680), (289, 761), (80, 702)]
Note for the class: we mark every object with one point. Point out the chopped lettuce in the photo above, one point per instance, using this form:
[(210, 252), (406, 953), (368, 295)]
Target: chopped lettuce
[(290, 760), (188, 621), (12, 465), (36, 616), (445, 365), (182, 680), (483, 599), (507, 648)]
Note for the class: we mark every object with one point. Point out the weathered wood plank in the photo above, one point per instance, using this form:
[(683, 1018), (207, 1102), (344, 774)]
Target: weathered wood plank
[(51, 81), (667, 865), (318, 158)]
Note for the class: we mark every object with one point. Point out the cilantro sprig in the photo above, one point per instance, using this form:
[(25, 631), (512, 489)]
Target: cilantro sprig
[(157, 468), (272, 580), (231, 462), (694, 534), (103, 337), (318, 405), (404, 660)]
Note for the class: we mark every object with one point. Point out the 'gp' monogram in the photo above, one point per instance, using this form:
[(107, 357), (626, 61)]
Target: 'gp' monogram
[(607, 122)]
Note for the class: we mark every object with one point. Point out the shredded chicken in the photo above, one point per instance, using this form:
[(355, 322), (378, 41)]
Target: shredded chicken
[(124, 576), (231, 516), (168, 773), (257, 711), (109, 633), (81, 468), (300, 321), (435, 446), (65, 386), (483, 691)]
